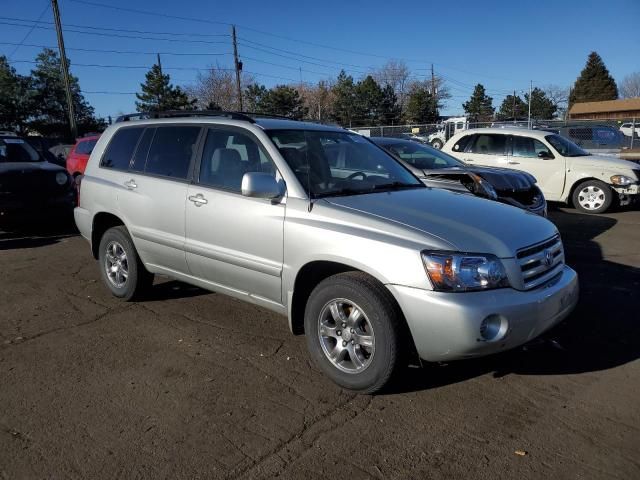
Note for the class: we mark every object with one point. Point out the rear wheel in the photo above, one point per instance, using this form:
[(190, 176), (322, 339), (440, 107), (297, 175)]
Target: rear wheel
[(592, 196), (352, 326), (122, 271)]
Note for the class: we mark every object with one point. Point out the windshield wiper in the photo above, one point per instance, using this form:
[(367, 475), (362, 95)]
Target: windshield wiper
[(396, 186), (340, 193)]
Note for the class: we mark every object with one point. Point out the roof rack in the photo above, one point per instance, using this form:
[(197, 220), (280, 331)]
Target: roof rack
[(185, 113)]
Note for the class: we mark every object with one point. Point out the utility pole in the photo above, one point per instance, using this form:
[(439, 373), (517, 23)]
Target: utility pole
[(530, 89), (433, 82), (513, 110), (238, 65), (65, 69), (161, 83)]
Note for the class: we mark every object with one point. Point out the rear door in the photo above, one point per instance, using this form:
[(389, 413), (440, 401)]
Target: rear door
[(152, 189), (487, 149), (233, 241)]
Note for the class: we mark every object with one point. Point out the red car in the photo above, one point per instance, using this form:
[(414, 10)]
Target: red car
[(79, 154)]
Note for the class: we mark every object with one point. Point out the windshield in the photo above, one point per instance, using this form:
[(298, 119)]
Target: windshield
[(329, 163), (422, 156), (565, 147), (17, 150)]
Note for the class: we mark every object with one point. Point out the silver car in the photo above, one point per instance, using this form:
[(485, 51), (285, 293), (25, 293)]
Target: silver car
[(319, 224)]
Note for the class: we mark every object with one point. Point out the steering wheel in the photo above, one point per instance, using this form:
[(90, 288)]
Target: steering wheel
[(357, 174)]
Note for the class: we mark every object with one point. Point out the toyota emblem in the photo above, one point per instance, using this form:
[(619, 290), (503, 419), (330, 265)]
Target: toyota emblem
[(548, 257)]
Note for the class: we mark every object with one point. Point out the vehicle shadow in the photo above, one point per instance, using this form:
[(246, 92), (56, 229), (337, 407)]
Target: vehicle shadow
[(601, 333), (172, 289), (35, 232)]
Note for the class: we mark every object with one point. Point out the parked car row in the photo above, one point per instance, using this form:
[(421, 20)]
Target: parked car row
[(332, 231)]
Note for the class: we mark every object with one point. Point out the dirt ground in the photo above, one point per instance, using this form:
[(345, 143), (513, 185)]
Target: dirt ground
[(190, 384)]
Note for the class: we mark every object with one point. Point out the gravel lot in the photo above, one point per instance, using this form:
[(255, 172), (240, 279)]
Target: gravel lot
[(191, 384)]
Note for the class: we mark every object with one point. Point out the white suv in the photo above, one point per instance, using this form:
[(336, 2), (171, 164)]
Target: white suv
[(564, 172)]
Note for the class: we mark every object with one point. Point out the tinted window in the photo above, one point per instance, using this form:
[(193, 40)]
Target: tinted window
[(422, 156), (171, 151), (489, 144), (121, 148), (528, 147), (86, 147), (462, 143), (140, 157), (17, 150), (228, 155)]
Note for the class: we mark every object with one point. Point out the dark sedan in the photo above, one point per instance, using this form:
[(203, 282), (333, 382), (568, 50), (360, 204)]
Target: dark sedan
[(30, 185), (439, 170)]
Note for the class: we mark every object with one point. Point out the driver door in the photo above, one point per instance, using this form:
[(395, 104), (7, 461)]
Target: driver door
[(536, 158)]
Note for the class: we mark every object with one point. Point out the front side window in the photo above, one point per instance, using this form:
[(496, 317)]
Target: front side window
[(329, 163), (17, 150), (565, 147), (121, 148), (529, 147), (423, 157), (489, 144), (228, 155), (171, 151)]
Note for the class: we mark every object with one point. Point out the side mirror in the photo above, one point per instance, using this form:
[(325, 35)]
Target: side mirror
[(260, 185), (545, 155)]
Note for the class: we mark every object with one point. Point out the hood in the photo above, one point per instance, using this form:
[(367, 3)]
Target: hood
[(469, 223), (502, 179), (28, 167), (609, 163)]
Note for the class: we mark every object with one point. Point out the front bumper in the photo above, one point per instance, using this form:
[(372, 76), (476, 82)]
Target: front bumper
[(627, 195), (446, 326), (13, 205)]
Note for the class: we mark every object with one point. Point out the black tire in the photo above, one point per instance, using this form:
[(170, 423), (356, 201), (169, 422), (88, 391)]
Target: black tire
[(601, 197), (381, 314), (437, 144), (138, 279)]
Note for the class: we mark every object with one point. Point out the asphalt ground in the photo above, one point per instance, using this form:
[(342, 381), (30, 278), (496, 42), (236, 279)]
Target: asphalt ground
[(191, 384)]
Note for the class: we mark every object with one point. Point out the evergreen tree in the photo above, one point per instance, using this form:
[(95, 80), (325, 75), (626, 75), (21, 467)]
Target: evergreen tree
[(513, 108), (15, 98), (542, 108), (283, 100), (422, 106), (595, 83), (368, 102), (390, 111), (253, 96), (345, 99), (49, 112), (158, 94), (480, 105)]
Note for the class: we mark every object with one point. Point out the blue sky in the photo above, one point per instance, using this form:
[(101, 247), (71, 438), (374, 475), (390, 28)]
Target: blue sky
[(501, 44)]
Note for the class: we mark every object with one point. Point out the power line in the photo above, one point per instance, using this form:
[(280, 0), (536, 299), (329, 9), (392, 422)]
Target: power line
[(24, 39), (125, 52)]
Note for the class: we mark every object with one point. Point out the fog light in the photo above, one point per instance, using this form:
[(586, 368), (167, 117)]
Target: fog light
[(493, 328)]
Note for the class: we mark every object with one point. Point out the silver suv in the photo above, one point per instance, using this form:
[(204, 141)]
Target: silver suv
[(365, 260)]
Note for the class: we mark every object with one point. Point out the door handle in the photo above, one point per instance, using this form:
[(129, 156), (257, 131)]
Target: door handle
[(131, 184), (513, 163), (468, 160), (198, 200)]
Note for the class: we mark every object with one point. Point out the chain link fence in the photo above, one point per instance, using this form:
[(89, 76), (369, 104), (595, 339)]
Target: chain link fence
[(614, 137)]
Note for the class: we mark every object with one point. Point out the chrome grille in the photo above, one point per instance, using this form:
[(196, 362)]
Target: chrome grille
[(541, 262)]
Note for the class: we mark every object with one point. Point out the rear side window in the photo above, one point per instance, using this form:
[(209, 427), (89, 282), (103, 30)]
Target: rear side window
[(140, 157), (462, 143), (86, 147), (171, 151), (121, 148), (489, 144)]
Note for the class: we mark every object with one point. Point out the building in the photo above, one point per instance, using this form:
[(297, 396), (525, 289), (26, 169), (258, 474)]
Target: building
[(626, 108)]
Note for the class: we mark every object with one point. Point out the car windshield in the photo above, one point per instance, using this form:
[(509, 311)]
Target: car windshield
[(422, 156), (331, 163), (17, 150), (565, 147)]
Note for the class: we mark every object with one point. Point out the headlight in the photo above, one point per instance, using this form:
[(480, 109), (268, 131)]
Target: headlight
[(461, 272), (622, 180), (61, 178), (484, 187)]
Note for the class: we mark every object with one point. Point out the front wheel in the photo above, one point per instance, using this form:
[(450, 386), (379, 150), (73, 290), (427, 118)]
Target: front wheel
[(437, 144), (592, 196), (352, 326)]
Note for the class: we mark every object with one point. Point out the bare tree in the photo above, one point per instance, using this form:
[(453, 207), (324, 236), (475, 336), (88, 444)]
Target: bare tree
[(216, 88), (441, 90), (630, 86), (394, 73), (559, 96), (318, 99)]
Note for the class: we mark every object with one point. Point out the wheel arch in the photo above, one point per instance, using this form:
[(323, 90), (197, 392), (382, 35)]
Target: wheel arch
[(102, 222)]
